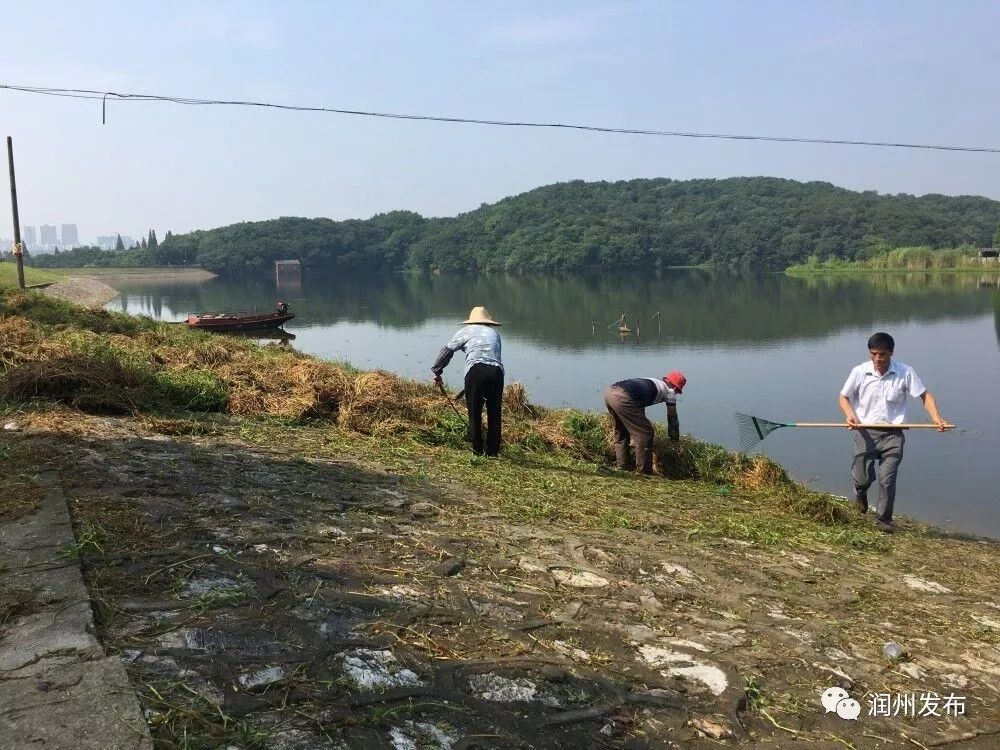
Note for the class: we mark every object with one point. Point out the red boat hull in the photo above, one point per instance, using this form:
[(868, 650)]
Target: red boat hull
[(223, 322)]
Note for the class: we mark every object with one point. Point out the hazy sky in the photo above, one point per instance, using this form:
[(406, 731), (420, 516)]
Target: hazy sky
[(902, 71)]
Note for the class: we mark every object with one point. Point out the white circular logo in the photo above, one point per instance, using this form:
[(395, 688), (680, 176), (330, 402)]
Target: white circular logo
[(848, 709), (831, 697)]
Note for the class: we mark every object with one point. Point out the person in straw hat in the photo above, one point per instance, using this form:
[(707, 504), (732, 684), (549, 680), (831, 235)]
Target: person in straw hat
[(480, 341), (627, 401)]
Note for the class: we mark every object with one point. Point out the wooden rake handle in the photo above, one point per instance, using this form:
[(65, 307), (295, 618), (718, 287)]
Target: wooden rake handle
[(874, 425), (451, 403)]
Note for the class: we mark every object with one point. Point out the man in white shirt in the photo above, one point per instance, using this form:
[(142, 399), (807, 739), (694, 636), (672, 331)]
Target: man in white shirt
[(875, 393)]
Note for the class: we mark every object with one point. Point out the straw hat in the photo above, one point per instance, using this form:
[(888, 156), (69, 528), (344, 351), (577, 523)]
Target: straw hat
[(481, 316)]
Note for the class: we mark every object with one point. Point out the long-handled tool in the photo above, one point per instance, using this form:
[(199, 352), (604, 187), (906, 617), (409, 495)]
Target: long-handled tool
[(754, 429), (451, 403)]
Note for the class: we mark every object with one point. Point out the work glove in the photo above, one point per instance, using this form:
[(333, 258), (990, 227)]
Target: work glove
[(673, 427)]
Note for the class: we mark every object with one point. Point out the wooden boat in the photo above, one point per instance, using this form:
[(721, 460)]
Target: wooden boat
[(238, 321)]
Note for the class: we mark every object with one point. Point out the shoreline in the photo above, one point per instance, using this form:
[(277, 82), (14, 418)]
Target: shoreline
[(987, 269), (164, 273), (85, 291)]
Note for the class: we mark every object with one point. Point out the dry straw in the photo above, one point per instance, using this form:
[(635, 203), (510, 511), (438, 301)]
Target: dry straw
[(108, 371)]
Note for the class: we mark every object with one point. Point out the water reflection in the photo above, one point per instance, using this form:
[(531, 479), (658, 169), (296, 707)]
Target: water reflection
[(264, 334), (996, 316), (691, 306)]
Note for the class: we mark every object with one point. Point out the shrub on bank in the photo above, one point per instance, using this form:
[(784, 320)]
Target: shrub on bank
[(922, 258)]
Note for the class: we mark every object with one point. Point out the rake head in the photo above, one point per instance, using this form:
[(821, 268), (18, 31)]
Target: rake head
[(754, 429)]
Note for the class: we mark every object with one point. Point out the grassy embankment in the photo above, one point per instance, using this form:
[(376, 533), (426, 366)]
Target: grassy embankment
[(8, 276), (963, 259), (102, 362)]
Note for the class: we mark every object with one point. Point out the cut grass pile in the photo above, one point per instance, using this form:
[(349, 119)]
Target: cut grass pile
[(103, 362)]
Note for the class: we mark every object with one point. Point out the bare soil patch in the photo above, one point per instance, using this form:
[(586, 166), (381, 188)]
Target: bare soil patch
[(83, 291)]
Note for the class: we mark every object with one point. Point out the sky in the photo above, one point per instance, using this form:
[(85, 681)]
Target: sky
[(896, 70)]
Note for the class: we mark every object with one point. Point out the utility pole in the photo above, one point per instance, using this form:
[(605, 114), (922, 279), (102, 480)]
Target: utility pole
[(18, 248)]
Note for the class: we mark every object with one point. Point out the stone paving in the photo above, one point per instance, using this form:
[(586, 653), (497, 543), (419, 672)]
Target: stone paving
[(58, 688)]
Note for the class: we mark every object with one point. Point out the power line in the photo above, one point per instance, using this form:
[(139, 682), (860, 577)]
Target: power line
[(103, 96)]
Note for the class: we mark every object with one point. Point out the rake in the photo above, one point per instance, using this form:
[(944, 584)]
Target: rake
[(754, 429), (451, 403)]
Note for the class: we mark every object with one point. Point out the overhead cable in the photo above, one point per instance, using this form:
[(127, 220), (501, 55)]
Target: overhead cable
[(103, 96)]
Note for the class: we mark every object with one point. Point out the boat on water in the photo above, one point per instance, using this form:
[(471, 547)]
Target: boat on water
[(226, 322)]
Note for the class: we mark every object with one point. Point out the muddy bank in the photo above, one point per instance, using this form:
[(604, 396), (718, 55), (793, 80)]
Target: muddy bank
[(142, 274), (84, 291), (303, 587)]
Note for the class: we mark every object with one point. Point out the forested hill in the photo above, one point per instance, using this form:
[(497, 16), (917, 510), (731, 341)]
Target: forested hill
[(635, 225)]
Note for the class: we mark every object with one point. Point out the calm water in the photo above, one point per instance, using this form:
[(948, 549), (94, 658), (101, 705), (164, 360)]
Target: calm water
[(769, 345)]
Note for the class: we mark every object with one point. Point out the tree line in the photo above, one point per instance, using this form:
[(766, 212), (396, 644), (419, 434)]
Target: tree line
[(634, 225)]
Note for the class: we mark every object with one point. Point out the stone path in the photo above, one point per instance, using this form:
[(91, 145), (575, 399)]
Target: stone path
[(58, 688), (264, 596)]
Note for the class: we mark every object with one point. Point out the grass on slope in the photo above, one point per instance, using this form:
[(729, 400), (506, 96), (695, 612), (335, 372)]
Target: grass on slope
[(8, 275), (556, 465)]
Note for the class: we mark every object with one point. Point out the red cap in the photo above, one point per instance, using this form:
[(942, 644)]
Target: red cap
[(676, 380)]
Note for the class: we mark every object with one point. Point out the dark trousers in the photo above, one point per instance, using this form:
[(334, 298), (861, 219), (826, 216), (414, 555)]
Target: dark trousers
[(886, 448), (630, 422), (484, 384)]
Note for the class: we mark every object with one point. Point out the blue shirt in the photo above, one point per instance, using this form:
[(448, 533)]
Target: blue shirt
[(480, 343)]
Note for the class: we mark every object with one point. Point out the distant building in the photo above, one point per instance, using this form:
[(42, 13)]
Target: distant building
[(48, 235), (288, 271), (70, 238), (28, 236), (108, 241)]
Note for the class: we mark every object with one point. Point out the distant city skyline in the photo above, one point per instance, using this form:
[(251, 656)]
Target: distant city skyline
[(49, 236), (46, 237)]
